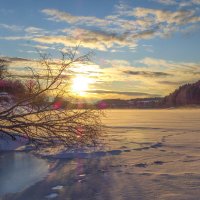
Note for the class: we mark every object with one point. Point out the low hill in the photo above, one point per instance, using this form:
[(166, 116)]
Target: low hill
[(188, 94)]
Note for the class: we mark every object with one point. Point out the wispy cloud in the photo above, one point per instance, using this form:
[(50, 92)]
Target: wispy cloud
[(169, 64), (167, 2), (16, 38), (34, 30), (36, 46), (11, 27), (57, 15), (135, 94), (147, 73), (68, 41), (181, 3), (90, 39), (125, 27), (173, 83), (179, 17)]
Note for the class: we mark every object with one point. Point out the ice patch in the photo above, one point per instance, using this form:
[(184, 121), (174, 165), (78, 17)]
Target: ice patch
[(58, 187), (51, 196)]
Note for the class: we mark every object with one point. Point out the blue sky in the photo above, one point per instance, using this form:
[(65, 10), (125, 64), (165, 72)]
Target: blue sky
[(142, 48)]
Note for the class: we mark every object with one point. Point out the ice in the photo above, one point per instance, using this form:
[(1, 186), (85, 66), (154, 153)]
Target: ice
[(58, 187), (19, 171), (51, 196)]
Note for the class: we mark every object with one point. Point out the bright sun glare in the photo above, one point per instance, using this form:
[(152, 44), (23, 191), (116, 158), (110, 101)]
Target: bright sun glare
[(80, 85)]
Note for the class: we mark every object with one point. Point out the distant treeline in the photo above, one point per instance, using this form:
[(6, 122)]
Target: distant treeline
[(188, 94)]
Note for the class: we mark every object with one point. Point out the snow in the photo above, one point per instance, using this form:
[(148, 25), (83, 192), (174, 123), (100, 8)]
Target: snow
[(7, 144), (144, 154)]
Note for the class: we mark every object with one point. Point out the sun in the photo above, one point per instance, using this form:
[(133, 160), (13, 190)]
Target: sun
[(80, 85)]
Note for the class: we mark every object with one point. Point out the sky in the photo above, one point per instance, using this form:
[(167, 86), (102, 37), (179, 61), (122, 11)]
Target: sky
[(142, 48)]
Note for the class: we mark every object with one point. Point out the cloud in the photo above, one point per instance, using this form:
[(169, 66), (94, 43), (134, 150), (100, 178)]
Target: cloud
[(147, 74), (147, 34), (117, 63), (169, 64), (196, 2), (111, 22), (122, 29), (15, 38), (180, 3), (176, 83), (121, 93), (18, 67), (68, 41), (159, 22), (181, 71), (121, 8), (34, 30), (120, 69), (167, 2), (90, 39), (148, 47), (41, 77), (158, 75), (37, 46), (16, 59), (20, 63), (57, 15), (180, 17), (11, 27)]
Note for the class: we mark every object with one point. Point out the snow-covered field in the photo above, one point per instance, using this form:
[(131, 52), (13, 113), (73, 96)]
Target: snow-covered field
[(146, 155)]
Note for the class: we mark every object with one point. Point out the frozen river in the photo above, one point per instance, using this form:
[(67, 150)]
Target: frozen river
[(147, 154)]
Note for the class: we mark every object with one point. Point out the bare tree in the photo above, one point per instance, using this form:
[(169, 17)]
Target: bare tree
[(46, 123)]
